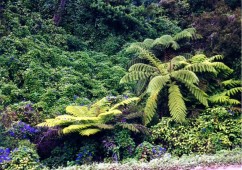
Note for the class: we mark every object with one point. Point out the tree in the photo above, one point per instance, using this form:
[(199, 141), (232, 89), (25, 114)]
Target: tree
[(169, 78)]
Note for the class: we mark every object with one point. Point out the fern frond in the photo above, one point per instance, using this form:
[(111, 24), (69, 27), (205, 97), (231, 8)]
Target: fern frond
[(222, 66), (176, 104), (77, 119), (216, 57), (201, 67), (77, 110), (189, 33), (150, 107), (198, 93), (185, 75), (125, 102), (157, 83), (142, 67), (75, 128), (148, 43), (135, 61), (134, 76), (104, 126), (134, 115), (111, 113), (54, 122), (128, 126), (223, 99), (88, 132), (141, 86), (166, 41), (233, 91), (231, 83)]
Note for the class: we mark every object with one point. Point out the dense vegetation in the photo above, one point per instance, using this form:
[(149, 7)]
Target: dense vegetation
[(119, 81)]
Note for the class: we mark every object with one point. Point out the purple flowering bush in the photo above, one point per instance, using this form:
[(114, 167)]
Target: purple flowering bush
[(4, 155), (21, 130)]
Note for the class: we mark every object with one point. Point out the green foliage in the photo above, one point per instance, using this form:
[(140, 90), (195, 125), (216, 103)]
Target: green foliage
[(146, 151), (88, 120), (119, 146), (214, 129), (86, 153), (24, 157)]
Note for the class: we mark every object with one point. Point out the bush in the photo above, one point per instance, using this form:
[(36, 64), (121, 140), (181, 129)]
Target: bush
[(215, 129)]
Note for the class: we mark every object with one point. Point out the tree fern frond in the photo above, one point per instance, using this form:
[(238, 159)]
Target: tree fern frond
[(157, 83), (231, 83), (176, 104), (148, 43), (140, 87), (109, 113), (134, 115), (77, 110), (104, 126), (189, 33), (198, 93), (222, 66), (88, 132), (166, 41), (142, 67), (201, 67), (135, 61), (75, 128), (233, 91), (216, 57), (185, 75), (134, 76), (150, 107), (129, 126), (54, 122), (125, 102), (223, 99)]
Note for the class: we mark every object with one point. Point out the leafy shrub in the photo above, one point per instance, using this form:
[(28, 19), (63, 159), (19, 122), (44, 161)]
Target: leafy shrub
[(86, 154), (24, 157), (146, 151), (215, 129), (120, 146)]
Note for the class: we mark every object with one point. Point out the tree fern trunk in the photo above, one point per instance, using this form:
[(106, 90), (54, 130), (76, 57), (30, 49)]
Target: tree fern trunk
[(58, 14)]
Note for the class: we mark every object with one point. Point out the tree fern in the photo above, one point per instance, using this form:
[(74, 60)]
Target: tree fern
[(189, 33), (129, 126), (216, 57), (176, 103), (88, 120)]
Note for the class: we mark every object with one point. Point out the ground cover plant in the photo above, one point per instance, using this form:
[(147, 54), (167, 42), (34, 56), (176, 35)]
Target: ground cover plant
[(110, 84)]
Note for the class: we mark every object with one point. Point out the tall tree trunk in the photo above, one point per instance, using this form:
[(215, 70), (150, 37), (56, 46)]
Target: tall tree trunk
[(58, 14)]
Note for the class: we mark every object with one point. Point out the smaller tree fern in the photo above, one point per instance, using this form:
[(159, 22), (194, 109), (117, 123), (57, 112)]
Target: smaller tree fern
[(88, 120)]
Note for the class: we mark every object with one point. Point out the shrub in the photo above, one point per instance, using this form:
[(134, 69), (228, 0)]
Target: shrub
[(215, 129)]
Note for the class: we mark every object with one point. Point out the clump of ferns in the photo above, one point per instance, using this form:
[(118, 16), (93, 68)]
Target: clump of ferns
[(89, 120)]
